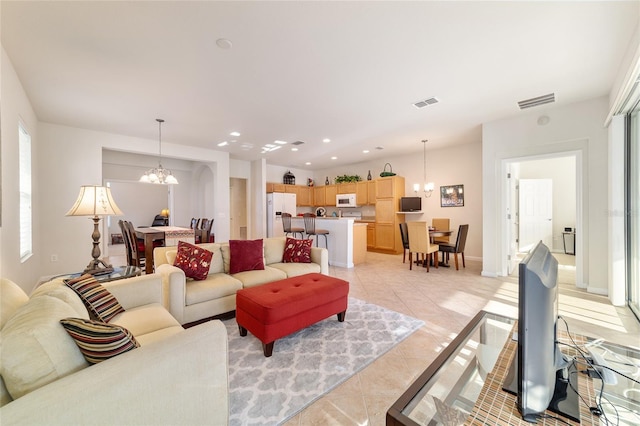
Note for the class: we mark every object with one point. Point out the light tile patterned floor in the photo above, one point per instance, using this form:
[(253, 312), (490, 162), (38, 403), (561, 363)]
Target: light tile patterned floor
[(446, 300)]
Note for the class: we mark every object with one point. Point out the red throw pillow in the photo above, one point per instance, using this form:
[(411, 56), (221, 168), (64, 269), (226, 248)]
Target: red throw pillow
[(193, 260), (297, 251), (246, 255)]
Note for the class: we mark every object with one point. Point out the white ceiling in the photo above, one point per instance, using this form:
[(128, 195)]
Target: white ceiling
[(347, 71)]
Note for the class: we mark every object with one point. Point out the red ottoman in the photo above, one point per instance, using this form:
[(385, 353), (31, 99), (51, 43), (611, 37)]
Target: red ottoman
[(277, 309)]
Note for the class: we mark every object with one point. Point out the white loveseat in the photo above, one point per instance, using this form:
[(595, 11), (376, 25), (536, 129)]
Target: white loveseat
[(189, 300), (176, 376)]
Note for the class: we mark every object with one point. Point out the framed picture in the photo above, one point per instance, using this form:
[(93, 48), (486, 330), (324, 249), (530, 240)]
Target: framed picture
[(452, 196)]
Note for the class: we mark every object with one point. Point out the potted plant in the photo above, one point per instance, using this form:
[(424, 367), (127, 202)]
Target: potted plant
[(347, 179)]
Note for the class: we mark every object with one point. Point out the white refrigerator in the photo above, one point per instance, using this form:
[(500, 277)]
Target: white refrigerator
[(278, 203)]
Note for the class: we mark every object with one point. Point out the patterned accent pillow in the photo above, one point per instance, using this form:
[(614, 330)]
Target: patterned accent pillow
[(297, 251), (97, 340), (101, 304), (193, 260), (245, 255)]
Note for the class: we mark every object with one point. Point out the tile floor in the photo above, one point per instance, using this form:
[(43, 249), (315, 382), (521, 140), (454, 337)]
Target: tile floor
[(446, 300)]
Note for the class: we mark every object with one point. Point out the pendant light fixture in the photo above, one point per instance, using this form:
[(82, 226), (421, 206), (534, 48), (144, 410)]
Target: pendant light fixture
[(428, 186), (159, 174)]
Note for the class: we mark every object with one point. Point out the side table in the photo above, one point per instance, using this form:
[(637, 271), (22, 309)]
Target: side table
[(119, 272)]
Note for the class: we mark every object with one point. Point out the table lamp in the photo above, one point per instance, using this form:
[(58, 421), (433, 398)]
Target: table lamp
[(95, 201)]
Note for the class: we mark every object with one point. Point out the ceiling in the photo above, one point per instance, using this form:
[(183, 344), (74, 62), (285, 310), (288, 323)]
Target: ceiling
[(306, 71)]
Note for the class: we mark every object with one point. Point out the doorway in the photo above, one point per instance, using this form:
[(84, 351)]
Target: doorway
[(542, 198)]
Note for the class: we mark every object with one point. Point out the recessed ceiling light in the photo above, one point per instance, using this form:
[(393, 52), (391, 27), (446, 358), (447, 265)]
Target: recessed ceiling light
[(270, 145), (236, 134), (308, 163), (325, 140), (366, 151), (334, 158), (280, 142), (225, 143), (294, 149), (224, 43)]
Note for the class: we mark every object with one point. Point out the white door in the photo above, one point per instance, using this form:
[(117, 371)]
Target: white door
[(535, 213), (512, 220)]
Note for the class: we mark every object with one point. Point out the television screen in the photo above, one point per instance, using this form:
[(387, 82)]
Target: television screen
[(410, 204), (539, 376)]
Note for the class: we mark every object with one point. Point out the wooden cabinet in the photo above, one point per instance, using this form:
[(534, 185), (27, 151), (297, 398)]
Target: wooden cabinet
[(346, 188), (305, 196), (362, 193), (279, 187), (330, 193), (371, 236), (319, 196), (389, 190), (291, 189), (371, 192), (359, 244)]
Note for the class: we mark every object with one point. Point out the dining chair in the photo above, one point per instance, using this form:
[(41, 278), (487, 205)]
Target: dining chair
[(127, 243), (404, 234), (286, 226), (194, 223), (137, 246), (441, 224), (461, 240), (310, 228), (159, 220), (419, 244), (203, 235)]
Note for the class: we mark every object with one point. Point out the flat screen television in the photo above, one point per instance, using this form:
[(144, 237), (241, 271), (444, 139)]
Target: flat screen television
[(410, 204), (539, 375)]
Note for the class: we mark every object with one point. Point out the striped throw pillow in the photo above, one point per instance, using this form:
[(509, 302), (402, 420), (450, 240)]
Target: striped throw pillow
[(101, 304), (97, 340)]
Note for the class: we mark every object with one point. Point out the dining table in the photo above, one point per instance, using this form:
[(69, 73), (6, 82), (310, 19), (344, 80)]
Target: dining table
[(440, 233), (169, 235)]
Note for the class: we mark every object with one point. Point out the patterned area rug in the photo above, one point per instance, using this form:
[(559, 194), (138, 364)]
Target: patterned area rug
[(309, 363)]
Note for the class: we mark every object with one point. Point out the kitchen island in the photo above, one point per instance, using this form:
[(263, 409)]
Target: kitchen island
[(340, 239)]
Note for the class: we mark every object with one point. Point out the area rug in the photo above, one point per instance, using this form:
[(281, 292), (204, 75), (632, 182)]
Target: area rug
[(309, 363)]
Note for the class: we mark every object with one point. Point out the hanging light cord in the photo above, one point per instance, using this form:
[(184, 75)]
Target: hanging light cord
[(424, 164), (160, 121)]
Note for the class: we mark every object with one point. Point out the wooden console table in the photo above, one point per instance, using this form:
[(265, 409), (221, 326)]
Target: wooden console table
[(464, 384)]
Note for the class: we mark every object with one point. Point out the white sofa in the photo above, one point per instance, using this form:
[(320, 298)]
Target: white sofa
[(189, 300), (176, 376)]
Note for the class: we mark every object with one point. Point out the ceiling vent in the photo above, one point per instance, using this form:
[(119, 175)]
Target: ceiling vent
[(540, 100), (379, 148), (297, 143), (426, 102)]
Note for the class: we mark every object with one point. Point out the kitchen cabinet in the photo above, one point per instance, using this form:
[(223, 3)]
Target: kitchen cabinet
[(278, 187), (389, 190), (371, 236), (346, 188), (330, 193), (319, 196), (362, 193), (371, 192), (359, 243), (305, 196)]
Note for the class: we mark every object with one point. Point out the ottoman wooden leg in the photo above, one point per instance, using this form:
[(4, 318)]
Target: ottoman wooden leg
[(267, 349), (341, 316), (243, 331)]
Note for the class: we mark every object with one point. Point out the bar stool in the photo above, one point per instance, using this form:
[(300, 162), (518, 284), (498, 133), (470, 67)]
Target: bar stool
[(310, 228), (286, 226)]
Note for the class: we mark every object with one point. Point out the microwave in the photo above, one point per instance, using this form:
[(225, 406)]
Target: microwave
[(346, 200)]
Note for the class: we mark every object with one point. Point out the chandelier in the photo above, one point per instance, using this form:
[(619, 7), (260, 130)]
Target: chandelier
[(159, 174), (428, 186)]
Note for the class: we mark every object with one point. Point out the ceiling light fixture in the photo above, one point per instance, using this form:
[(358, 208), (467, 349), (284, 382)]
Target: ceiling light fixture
[(294, 149), (223, 143), (325, 140), (366, 151), (159, 175), (428, 186), (308, 163), (236, 134), (334, 158)]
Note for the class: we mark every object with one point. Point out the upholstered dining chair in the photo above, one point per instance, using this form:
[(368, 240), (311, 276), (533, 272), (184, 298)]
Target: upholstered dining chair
[(404, 234), (194, 223), (286, 226), (441, 224), (419, 244), (310, 228), (461, 240)]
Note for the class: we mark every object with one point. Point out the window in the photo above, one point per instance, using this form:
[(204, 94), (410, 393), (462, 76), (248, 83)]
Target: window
[(632, 217), (26, 232)]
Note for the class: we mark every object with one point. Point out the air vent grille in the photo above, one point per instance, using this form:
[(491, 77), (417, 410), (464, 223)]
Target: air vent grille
[(540, 100), (297, 143), (426, 102)]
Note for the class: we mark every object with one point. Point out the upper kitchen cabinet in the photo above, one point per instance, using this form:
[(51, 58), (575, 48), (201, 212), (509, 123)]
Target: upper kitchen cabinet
[(346, 188)]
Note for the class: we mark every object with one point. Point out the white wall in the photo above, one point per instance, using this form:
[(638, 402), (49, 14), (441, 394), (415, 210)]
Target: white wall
[(16, 107), (562, 173), (578, 127)]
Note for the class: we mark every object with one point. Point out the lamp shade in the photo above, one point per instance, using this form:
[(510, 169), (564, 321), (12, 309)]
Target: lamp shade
[(94, 200)]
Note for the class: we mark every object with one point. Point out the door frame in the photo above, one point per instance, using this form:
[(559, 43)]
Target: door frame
[(505, 166)]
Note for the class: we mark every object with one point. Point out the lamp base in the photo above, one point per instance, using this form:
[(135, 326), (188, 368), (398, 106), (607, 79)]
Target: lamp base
[(94, 268)]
